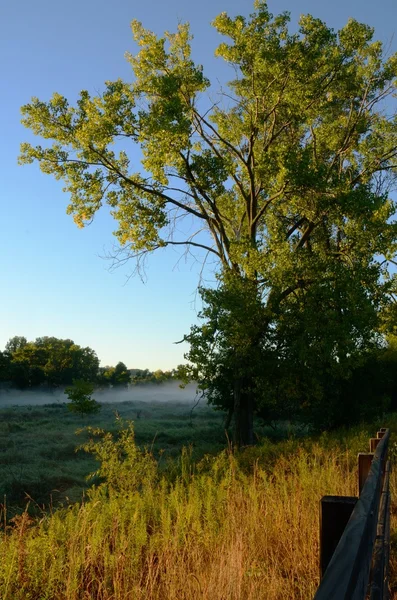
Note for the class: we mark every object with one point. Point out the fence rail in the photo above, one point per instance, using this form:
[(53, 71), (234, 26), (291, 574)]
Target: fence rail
[(355, 532)]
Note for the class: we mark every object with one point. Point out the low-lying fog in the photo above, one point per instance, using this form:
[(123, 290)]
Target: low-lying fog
[(165, 392)]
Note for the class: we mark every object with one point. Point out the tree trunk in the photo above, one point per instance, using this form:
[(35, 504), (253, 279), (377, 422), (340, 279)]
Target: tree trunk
[(228, 419), (243, 415)]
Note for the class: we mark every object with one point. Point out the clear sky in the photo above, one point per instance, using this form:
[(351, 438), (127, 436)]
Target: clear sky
[(53, 279)]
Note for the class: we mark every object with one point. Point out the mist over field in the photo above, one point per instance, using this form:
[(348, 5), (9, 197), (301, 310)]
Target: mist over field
[(165, 392)]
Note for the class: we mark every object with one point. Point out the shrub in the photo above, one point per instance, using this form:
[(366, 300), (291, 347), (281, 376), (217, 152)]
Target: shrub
[(80, 398)]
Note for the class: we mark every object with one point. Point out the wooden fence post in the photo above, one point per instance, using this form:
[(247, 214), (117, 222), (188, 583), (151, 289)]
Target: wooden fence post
[(364, 466), (335, 512), (373, 444)]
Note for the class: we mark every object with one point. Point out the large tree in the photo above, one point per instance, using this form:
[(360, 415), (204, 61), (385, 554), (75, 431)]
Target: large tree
[(286, 173)]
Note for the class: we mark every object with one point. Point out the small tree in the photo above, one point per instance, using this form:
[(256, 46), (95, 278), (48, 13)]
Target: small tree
[(80, 398), (122, 376)]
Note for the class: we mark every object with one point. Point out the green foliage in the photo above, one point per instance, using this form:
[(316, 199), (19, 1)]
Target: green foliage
[(230, 345), (321, 363), (145, 376), (80, 400), (5, 361), (47, 360), (301, 146), (286, 178), (115, 376), (122, 375), (15, 343), (123, 466), (38, 445)]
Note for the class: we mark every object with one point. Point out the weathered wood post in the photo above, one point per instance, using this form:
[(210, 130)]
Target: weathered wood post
[(335, 512), (373, 444), (364, 466)]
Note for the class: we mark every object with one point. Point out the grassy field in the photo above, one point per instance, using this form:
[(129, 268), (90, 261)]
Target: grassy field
[(211, 525), (38, 457)]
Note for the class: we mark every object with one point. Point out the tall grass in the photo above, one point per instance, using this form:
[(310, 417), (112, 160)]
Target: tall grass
[(235, 526), (37, 445)]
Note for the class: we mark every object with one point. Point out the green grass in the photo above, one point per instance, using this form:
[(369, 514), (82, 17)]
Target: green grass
[(38, 458), (37, 444), (234, 526)]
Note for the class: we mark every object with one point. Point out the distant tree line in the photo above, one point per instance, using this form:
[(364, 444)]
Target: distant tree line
[(46, 361), (142, 376), (51, 362)]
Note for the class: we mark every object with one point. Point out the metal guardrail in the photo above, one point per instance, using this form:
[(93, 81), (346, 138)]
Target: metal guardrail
[(355, 532)]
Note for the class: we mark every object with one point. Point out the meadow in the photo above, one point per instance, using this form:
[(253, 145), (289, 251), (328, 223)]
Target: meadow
[(203, 522), (38, 457)]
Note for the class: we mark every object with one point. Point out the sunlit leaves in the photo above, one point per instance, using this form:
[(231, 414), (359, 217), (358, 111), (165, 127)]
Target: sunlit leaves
[(300, 125), (288, 171)]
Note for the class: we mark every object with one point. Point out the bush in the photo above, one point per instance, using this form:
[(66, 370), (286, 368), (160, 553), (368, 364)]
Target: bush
[(80, 398)]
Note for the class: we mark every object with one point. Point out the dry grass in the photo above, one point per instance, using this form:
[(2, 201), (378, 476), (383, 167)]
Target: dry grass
[(222, 531)]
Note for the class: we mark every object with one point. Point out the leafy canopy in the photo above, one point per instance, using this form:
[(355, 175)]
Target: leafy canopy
[(48, 360), (288, 172), (284, 178)]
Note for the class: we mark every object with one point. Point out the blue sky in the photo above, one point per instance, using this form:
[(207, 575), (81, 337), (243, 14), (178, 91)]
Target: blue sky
[(53, 279)]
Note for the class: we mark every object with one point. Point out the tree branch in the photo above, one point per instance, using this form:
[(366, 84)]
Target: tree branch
[(152, 191), (269, 201), (196, 244), (306, 235)]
